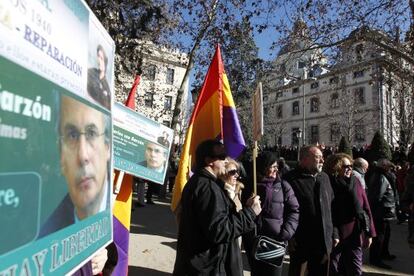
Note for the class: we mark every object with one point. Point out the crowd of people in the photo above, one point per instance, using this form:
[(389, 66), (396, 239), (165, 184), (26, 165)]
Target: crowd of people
[(291, 152), (326, 211)]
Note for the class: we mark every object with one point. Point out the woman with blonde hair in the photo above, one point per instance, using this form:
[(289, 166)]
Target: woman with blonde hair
[(233, 188), (231, 183), (350, 210)]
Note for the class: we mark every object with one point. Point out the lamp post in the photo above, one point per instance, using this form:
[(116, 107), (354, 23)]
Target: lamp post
[(299, 135), (305, 76)]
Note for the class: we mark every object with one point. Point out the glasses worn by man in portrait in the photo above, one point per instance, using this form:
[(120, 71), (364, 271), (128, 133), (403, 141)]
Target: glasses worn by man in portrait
[(71, 136)]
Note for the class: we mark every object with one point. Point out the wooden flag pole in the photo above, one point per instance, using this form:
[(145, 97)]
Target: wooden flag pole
[(254, 168), (119, 182)]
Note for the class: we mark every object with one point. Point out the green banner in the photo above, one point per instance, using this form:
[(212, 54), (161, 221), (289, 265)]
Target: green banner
[(141, 145), (55, 137)]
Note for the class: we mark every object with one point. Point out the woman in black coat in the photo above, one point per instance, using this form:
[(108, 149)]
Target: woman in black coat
[(349, 204)]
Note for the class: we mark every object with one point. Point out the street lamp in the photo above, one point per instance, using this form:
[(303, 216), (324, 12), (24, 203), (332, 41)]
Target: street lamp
[(305, 76), (298, 135)]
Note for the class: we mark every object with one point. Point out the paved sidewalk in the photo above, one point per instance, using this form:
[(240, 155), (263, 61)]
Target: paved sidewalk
[(153, 242)]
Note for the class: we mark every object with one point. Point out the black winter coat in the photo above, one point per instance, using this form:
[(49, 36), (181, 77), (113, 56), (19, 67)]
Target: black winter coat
[(313, 232), (381, 196), (209, 228), (345, 207)]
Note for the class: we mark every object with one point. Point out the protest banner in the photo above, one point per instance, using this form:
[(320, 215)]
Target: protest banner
[(141, 145), (56, 87)]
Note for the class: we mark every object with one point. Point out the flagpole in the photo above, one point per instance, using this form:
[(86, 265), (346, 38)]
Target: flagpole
[(119, 182), (257, 107), (254, 168)]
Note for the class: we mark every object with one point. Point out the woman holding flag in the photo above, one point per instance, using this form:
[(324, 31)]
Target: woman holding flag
[(280, 212)]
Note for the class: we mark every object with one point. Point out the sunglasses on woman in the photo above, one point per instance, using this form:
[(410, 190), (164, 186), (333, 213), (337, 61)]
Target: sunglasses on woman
[(233, 172), (347, 167)]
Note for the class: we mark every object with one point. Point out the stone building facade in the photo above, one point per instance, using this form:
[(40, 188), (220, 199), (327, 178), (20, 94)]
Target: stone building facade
[(306, 102), (162, 74)]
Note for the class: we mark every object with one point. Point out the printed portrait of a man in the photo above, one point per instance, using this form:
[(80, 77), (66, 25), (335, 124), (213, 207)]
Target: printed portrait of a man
[(155, 157), (85, 154)]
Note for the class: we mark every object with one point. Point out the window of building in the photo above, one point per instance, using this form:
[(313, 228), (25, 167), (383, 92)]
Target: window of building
[(359, 133), (148, 98), (166, 123), (279, 95), (314, 104), (335, 132), (314, 85), (359, 74), (279, 140), (359, 50), (265, 109), (359, 95), (168, 102), (265, 98), (334, 100), (314, 137), (150, 72), (295, 138), (279, 111), (312, 73), (387, 98), (301, 64), (170, 76), (295, 90), (334, 80), (295, 108)]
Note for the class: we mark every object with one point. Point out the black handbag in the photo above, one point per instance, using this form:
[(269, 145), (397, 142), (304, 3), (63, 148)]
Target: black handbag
[(268, 250)]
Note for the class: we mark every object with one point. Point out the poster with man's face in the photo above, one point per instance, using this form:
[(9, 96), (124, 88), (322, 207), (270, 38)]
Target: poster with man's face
[(56, 161), (141, 145)]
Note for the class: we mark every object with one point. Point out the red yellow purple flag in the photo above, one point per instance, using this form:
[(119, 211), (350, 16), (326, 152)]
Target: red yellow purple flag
[(122, 206), (214, 117)]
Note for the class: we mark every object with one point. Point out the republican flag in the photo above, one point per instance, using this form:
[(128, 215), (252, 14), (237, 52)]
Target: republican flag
[(214, 117), (122, 206), (130, 101)]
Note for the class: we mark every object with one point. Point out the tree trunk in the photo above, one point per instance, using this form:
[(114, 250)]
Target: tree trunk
[(178, 103)]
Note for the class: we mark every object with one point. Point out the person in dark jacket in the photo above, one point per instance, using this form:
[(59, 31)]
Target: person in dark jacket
[(282, 166), (407, 203), (280, 211), (359, 170), (382, 201), (348, 209), (97, 85), (209, 224), (315, 236)]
